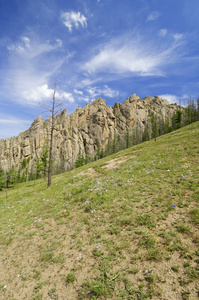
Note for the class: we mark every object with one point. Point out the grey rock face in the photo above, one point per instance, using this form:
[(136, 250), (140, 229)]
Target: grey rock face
[(82, 131)]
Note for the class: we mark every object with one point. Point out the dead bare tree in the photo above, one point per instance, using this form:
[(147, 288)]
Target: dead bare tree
[(53, 109)]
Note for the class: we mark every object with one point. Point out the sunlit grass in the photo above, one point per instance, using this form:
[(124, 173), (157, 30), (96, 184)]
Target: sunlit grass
[(120, 233)]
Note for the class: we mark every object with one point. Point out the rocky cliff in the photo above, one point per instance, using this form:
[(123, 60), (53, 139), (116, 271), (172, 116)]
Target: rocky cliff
[(85, 129)]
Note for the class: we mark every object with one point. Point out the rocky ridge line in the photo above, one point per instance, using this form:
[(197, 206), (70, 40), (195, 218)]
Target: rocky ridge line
[(83, 130)]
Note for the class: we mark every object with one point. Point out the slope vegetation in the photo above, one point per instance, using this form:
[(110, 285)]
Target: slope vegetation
[(123, 227)]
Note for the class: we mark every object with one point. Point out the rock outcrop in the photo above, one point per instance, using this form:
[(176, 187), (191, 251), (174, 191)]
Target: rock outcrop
[(85, 129)]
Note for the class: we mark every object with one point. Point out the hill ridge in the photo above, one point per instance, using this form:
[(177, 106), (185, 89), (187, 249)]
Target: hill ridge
[(131, 231)]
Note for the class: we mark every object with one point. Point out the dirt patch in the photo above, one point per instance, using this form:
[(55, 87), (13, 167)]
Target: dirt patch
[(115, 163), (90, 172)]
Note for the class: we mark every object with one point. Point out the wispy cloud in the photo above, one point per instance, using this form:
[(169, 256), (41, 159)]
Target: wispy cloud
[(78, 92), (32, 48), (26, 40), (178, 36), (91, 92), (99, 91), (13, 121), (153, 15), (71, 19), (162, 32), (107, 91), (132, 55), (31, 65), (10, 124)]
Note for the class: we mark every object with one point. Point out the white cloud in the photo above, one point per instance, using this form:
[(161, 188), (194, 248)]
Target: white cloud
[(105, 90), (170, 98), (31, 64), (13, 121), (153, 15), (59, 42), (162, 32), (175, 99), (26, 40), (72, 18), (85, 82), (93, 92), (86, 99), (17, 48), (131, 55), (42, 93), (20, 47), (38, 94), (65, 96), (33, 48), (78, 92), (178, 36)]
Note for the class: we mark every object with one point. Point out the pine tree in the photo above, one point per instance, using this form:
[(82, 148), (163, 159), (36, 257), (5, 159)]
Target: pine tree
[(2, 179), (113, 150), (38, 168), (145, 136), (198, 109), (119, 145), (178, 119), (80, 160), (108, 148), (191, 113), (127, 137), (44, 159), (135, 138), (154, 127)]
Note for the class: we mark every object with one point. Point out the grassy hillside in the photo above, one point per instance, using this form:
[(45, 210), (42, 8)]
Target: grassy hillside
[(123, 227)]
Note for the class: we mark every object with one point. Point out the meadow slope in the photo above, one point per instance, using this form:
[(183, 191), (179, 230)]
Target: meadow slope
[(123, 227)]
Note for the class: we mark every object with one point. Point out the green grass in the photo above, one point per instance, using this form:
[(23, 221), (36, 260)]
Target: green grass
[(70, 278), (122, 234)]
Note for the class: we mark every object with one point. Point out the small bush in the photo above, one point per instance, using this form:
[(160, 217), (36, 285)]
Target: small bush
[(70, 278)]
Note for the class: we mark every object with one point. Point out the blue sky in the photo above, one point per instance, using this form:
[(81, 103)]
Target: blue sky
[(94, 48)]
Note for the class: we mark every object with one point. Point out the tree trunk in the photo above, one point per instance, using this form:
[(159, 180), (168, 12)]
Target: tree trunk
[(51, 141)]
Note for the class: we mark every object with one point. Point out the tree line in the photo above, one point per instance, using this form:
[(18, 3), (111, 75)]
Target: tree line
[(155, 126)]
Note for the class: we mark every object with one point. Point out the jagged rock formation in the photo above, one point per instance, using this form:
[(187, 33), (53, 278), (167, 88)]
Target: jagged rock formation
[(85, 129)]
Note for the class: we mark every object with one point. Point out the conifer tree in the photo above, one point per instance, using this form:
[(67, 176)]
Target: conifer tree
[(198, 108), (119, 145), (127, 136), (44, 159), (2, 179), (80, 160), (108, 148), (113, 145), (154, 127)]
